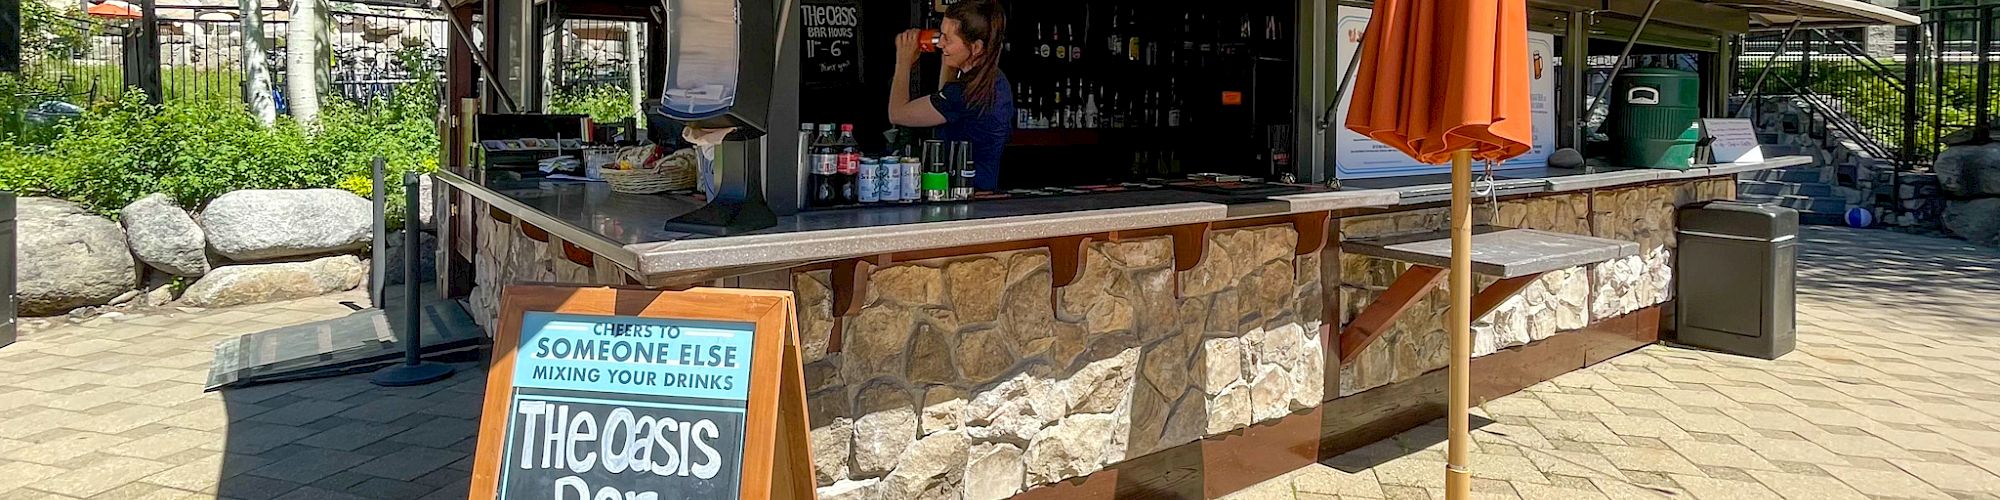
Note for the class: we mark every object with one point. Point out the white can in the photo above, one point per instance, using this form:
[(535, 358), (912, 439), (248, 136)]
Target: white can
[(913, 170), (867, 181), (889, 178)]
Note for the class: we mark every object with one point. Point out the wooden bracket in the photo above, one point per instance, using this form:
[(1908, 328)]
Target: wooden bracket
[(850, 284), (579, 255), (1312, 230), (1373, 321), (1066, 257), (1190, 243), (1490, 298), (534, 232)]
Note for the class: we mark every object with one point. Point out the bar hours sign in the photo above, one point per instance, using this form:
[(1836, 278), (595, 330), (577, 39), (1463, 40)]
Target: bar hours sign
[(833, 41), (641, 395)]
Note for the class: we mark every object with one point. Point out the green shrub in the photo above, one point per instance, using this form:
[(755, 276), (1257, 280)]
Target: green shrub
[(603, 103), (197, 149)]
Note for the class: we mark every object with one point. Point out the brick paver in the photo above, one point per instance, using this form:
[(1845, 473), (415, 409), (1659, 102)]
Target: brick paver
[(1891, 394), (1894, 393)]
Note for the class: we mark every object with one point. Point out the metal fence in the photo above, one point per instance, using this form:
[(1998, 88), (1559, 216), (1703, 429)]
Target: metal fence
[(372, 55), (81, 60)]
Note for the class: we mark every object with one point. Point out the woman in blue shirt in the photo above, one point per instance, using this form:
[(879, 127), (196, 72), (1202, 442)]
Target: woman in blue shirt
[(976, 104)]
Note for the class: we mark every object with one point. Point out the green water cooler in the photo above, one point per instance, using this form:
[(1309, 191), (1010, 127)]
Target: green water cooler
[(1655, 118)]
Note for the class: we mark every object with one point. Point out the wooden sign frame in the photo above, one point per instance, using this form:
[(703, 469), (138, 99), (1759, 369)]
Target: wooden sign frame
[(776, 459)]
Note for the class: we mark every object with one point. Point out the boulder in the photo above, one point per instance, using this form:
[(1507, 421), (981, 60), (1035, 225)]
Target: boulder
[(260, 283), (164, 236), (392, 259), (68, 258), (1977, 220), (256, 224), (1970, 170)]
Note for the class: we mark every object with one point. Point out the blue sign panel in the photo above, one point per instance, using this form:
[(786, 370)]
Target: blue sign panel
[(626, 407)]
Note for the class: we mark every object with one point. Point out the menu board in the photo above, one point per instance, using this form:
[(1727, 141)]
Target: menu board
[(1356, 156), (659, 402), (833, 41)]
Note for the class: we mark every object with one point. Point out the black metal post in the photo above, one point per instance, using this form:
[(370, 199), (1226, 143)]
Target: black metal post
[(148, 70), (378, 268), (1912, 57), (1982, 119), (413, 371), (1805, 86)]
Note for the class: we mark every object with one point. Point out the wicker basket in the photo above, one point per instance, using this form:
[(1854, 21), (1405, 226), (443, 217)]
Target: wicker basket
[(675, 172), (637, 181)]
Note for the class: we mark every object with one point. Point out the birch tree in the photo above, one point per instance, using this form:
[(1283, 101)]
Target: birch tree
[(256, 69), (305, 56)]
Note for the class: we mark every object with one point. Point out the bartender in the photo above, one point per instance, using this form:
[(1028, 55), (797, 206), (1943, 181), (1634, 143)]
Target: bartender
[(976, 103)]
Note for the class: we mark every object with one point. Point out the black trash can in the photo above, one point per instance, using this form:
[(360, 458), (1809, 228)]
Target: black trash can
[(1738, 264)]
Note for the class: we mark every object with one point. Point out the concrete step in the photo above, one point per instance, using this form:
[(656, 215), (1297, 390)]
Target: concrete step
[(1773, 150), (1796, 175), (1781, 188), (1812, 211)]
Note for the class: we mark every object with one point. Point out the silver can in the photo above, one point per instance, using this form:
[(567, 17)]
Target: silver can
[(912, 169), (889, 178), (867, 181)]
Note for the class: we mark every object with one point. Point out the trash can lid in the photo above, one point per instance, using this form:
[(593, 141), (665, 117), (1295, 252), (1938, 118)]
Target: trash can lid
[(1767, 222)]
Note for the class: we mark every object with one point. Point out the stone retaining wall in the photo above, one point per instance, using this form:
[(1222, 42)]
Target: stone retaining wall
[(963, 377), (1559, 301)]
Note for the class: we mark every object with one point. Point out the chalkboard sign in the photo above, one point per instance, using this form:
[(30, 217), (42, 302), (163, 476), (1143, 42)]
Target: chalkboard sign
[(833, 42), (639, 394)]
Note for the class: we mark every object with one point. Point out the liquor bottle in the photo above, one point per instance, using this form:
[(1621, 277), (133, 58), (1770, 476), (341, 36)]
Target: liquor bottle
[(850, 165), (1022, 108), (825, 168), (1041, 43), (1173, 104), (962, 170), (1114, 42), (1056, 112), (1062, 48), (1132, 42), (936, 180), (1075, 45), (1090, 111)]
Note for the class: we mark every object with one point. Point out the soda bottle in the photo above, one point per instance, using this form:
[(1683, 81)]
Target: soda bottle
[(825, 169), (850, 164)]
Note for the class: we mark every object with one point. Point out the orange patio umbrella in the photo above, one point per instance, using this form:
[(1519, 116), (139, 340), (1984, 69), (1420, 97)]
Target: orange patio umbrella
[(113, 9), (1448, 80)]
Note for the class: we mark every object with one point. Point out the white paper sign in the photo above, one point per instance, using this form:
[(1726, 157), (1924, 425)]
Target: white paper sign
[(1355, 156), (1733, 140)]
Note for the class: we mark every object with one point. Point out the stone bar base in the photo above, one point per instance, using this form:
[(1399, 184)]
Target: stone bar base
[(1187, 361)]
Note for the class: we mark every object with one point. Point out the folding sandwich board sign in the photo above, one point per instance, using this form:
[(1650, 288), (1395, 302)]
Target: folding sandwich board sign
[(609, 393)]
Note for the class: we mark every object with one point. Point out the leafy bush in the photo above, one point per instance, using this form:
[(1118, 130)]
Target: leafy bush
[(197, 149), (603, 103)]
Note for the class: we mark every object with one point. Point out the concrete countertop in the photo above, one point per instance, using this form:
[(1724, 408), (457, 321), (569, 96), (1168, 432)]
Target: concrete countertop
[(627, 229)]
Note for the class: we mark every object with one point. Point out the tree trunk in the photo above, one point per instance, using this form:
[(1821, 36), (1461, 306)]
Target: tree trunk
[(256, 69), (305, 47), (635, 73)]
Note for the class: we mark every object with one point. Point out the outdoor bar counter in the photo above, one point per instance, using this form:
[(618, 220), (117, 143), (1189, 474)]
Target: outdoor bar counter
[(1154, 342)]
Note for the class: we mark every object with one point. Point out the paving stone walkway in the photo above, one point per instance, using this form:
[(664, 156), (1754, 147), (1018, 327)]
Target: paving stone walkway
[(1894, 393)]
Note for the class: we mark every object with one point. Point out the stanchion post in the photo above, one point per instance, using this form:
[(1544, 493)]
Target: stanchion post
[(413, 370)]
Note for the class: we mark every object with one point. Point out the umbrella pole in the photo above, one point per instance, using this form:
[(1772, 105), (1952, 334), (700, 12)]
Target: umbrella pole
[(1458, 477)]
